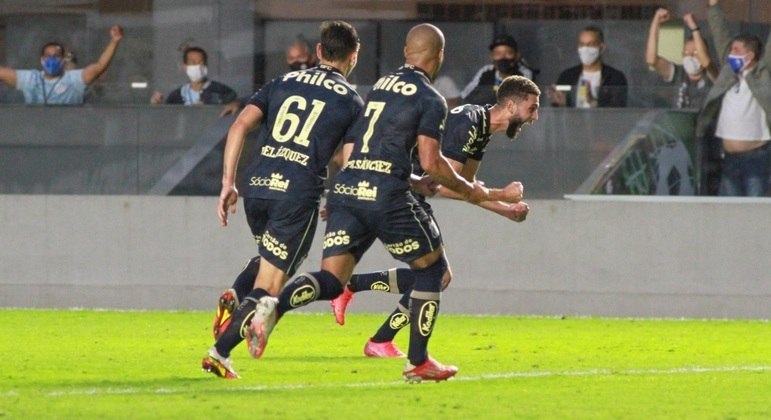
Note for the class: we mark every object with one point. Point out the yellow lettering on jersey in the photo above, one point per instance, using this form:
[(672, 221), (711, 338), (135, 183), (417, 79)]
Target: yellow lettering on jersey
[(370, 165)]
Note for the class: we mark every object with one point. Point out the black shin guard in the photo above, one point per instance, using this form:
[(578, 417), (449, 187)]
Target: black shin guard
[(308, 287), (398, 319), (394, 280), (424, 309), (245, 281), (234, 334)]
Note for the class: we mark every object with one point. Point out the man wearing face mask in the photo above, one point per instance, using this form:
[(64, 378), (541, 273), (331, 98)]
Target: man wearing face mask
[(55, 84), (299, 56), (592, 83), (506, 61), (199, 90), (741, 102), (693, 78)]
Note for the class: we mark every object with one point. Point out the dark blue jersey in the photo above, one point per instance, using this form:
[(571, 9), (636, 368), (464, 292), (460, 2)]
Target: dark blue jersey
[(467, 132), (306, 115), (401, 106)]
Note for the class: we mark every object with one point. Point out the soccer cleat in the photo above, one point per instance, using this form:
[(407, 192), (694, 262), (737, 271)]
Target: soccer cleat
[(387, 349), (340, 303), (218, 365), (262, 324), (222, 316), (430, 370)]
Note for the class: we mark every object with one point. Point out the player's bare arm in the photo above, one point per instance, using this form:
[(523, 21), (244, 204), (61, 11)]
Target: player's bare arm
[(437, 166), (424, 185), (247, 121)]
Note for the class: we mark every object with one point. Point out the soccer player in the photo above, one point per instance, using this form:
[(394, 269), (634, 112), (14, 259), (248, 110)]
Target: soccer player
[(371, 198), (468, 130), (305, 115)]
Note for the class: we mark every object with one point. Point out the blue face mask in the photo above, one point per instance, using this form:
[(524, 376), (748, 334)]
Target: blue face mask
[(53, 65), (736, 62)]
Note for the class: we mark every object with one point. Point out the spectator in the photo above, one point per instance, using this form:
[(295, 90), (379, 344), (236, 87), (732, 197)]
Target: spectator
[(693, 78), (199, 90), (592, 83), (506, 61), (740, 101), (299, 55), (55, 84)]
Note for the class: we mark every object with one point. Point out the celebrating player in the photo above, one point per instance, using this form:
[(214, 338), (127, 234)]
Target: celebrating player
[(468, 130), (371, 199), (306, 115)]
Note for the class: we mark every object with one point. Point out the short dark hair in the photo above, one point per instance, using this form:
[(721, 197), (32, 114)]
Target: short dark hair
[(195, 49), (504, 39), (595, 29), (338, 40), (51, 44), (752, 43), (516, 88)]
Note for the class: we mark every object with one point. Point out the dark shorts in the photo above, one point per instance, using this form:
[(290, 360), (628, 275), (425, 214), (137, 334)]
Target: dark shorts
[(283, 230), (405, 229)]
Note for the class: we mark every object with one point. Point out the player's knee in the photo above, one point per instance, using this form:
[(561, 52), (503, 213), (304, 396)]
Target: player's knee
[(429, 279)]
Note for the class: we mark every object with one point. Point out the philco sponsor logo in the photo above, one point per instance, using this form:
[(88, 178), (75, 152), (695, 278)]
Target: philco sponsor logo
[(361, 191), (427, 315), (380, 286), (398, 320), (276, 182), (284, 153), (302, 296), (336, 238), (316, 78), (393, 84), (404, 247), (274, 246)]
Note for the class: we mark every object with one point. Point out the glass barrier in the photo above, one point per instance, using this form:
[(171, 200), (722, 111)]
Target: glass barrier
[(172, 149), (140, 92)]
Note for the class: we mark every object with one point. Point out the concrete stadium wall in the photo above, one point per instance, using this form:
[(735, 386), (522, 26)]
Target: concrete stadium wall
[(590, 256)]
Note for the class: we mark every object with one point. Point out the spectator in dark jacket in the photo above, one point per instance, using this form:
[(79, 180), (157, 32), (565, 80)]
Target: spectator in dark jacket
[(592, 83), (199, 90)]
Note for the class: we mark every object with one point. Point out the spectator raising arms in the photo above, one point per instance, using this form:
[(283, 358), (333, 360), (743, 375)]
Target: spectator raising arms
[(693, 78), (55, 84)]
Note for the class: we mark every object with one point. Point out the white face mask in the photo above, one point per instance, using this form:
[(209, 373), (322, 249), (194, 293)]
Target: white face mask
[(588, 55), (691, 65), (196, 72)]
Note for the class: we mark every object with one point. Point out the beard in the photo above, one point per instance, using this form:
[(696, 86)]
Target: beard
[(515, 126)]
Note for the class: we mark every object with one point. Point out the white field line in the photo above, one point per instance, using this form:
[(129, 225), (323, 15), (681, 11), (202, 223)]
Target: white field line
[(482, 377)]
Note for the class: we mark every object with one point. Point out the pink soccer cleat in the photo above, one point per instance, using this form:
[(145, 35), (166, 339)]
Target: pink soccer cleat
[(340, 303), (430, 370), (386, 350)]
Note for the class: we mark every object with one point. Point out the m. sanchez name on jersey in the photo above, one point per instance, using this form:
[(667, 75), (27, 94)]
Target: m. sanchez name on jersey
[(300, 132), (400, 106)]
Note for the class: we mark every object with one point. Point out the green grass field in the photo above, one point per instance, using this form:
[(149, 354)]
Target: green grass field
[(108, 364)]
